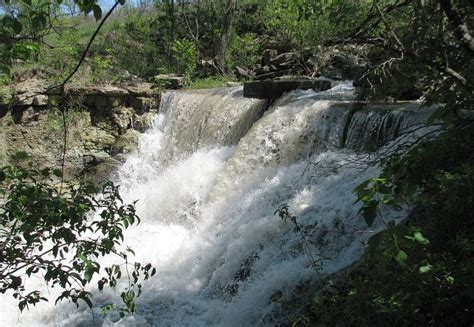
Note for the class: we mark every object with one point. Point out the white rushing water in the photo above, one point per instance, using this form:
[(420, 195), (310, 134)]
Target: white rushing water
[(208, 178)]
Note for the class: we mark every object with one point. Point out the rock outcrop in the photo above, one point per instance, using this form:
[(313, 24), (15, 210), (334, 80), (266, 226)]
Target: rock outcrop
[(103, 123), (278, 62)]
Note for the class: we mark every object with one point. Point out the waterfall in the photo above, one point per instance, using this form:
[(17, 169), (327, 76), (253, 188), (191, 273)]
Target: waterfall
[(209, 176), (203, 118), (377, 125)]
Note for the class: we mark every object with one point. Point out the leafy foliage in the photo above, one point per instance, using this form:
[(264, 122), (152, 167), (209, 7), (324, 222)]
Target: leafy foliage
[(48, 228), (25, 23), (184, 53), (245, 50), (420, 271)]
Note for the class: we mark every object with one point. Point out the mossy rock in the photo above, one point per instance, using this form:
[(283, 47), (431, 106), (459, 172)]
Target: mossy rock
[(97, 139)]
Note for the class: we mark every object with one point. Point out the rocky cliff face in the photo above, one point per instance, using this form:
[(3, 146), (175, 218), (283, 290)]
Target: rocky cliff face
[(101, 124)]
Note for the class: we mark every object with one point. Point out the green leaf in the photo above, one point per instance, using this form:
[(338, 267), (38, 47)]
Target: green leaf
[(15, 282), (420, 238), (106, 308), (425, 268), (5, 69), (89, 271), (17, 26), (43, 213), (402, 257), (39, 21), (122, 2), (449, 279), (97, 12), (86, 299), (369, 211)]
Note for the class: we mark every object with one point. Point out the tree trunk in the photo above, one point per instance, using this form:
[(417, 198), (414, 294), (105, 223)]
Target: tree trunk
[(461, 29), (225, 35), (197, 35), (171, 14)]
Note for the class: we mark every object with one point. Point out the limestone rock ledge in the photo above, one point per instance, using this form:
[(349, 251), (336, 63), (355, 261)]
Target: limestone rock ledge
[(103, 125)]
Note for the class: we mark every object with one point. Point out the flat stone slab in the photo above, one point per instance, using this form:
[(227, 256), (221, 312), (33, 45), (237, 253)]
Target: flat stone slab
[(274, 89), (106, 90), (142, 90)]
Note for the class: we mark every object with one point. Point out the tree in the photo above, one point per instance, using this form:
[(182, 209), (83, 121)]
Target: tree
[(225, 35)]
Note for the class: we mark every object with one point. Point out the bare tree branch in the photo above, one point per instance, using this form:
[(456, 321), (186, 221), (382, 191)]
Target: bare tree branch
[(456, 75)]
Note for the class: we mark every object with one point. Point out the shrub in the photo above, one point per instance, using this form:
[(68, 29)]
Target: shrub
[(184, 54), (59, 230)]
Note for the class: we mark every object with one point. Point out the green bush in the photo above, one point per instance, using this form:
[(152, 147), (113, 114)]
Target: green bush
[(184, 54), (49, 230), (101, 67), (245, 50)]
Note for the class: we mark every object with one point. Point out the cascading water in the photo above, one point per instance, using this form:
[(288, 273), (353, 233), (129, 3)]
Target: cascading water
[(209, 176), (206, 119), (376, 125)]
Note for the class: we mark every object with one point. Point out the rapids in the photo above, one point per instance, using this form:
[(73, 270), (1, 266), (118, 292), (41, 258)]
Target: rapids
[(209, 176)]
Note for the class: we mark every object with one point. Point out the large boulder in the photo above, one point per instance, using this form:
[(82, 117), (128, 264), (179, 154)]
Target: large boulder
[(40, 100), (23, 115), (142, 104), (26, 91), (98, 167), (104, 90), (95, 158)]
